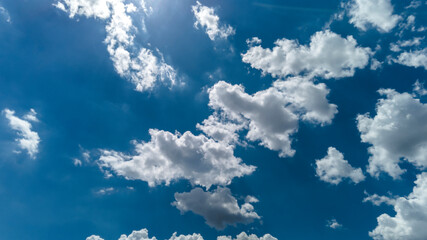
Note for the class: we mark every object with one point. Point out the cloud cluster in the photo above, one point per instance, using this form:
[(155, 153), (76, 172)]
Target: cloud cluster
[(333, 168), (139, 65), (375, 13), (410, 220), (169, 157), (29, 140), (219, 208), (271, 116), (397, 132), (207, 19), (329, 56), (143, 235)]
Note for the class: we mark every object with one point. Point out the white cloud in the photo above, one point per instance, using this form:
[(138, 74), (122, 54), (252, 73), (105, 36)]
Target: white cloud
[(377, 200), (139, 65), (143, 235), (77, 162), (333, 168), (169, 157), (219, 208), (5, 14), (29, 140), (410, 220), (207, 19), (334, 224), (397, 132), (244, 236), (419, 89), (105, 191), (376, 13), (329, 56), (271, 116), (417, 58)]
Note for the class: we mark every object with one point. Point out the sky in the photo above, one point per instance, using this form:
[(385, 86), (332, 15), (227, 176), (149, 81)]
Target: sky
[(227, 120)]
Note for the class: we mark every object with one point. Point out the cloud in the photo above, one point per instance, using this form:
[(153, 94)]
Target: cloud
[(271, 116), (375, 13), (143, 235), (333, 168), (410, 220), (5, 14), (397, 132), (244, 236), (207, 19), (328, 56), (169, 157), (417, 58), (418, 88), (219, 208), (29, 140), (141, 66), (334, 224), (377, 200)]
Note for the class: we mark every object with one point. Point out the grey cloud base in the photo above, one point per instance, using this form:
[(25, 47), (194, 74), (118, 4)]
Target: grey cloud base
[(219, 208)]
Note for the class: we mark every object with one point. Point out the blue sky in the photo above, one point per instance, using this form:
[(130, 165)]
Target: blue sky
[(217, 118)]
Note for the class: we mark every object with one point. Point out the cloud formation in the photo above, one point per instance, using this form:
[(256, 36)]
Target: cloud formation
[(397, 132), (169, 157), (333, 168), (328, 56), (410, 220), (28, 139), (143, 235), (219, 208), (272, 115), (209, 21), (375, 13), (141, 66), (417, 58)]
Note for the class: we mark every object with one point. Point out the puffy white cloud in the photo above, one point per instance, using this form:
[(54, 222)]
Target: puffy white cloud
[(410, 220), (417, 58), (244, 236), (333, 168), (329, 56), (29, 140), (207, 19), (139, 65), (271, 116), (334, 224), (397, 132), (143, 235), (376, 13), (168, 157), (219, 208)]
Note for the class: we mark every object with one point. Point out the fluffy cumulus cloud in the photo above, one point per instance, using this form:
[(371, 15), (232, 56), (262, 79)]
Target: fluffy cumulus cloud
[(397, 132), (28, 139), (333, 168), (377, 200), (375, 13), (328, 55), (141, 66), (271, 116), (417, 58), (219, 208), (410, 220), (168, 157), (143, 235), (244, 236), (208, 20)]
